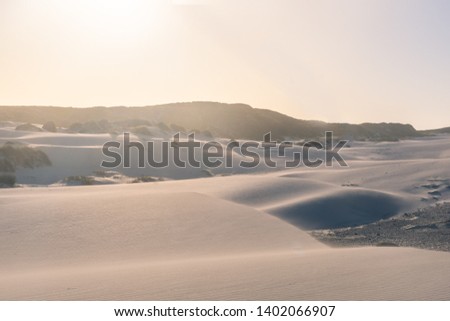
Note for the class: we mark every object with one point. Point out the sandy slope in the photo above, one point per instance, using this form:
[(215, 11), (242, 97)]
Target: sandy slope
[(350, 274), (235, 237), (59, 226), (144, 242)]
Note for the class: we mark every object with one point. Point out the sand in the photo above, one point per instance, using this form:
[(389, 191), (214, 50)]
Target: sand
[(239, 237)]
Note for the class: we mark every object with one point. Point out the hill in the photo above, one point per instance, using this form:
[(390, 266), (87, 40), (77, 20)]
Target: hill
[(220, 119)]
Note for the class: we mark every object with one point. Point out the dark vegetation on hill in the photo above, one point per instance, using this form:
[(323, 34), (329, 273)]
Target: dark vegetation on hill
[(13, 156), (238, 121), (28, 128), (445, 130)]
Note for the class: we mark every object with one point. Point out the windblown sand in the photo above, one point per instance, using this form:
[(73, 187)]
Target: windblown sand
[(239, 237)]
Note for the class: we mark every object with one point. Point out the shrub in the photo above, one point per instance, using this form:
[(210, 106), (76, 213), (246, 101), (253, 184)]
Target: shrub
[(23, 156), (177, 128), (386, 244), (102, 173), (147, 179), (28, 128), (75, 128), (141, 131), (6, 166), (163, 127), (79, 180), (7, 180), (49, 126)]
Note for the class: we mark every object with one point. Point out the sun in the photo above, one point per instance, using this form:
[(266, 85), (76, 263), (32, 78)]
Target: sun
[(116, 9), (115, 19)]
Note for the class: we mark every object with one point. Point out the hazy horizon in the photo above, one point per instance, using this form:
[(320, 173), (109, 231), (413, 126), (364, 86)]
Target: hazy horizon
[(346, 61), (227, 103)]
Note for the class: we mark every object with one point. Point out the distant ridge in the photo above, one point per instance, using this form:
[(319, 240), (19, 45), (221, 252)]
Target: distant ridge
[(238, 121), (445, 130)]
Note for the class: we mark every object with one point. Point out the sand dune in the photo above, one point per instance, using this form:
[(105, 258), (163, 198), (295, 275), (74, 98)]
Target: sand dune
[(143, 242), (55, 227), (235, 237), (347, 274), (350, 207)]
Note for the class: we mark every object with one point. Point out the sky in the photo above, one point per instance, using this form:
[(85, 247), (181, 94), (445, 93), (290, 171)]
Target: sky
[(338, 61)]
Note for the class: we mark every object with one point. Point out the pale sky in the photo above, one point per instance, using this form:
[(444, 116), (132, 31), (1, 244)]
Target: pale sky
[(340, 61)]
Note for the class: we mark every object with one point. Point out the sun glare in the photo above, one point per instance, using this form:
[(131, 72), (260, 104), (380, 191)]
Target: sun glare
[(118, 9), (117, 18)]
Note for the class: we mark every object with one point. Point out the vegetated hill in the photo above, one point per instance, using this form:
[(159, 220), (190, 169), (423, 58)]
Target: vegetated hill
[(445, 130), (223, 120)]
